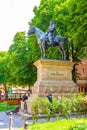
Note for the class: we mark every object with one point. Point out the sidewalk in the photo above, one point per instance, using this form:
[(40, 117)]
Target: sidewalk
[(17, 121)]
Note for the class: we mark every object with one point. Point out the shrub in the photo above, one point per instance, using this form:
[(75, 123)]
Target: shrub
[(41, 106), (78, 126), (66, 107), (77, 103)]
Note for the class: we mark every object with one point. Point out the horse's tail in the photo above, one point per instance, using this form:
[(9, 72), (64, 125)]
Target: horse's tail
[(67, 47), (66, 40)]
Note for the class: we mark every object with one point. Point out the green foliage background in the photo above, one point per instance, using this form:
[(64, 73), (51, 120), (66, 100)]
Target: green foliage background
[(70, 18)]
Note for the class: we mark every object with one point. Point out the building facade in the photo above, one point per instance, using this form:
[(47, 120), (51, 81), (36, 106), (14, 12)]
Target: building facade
[(81, 68)]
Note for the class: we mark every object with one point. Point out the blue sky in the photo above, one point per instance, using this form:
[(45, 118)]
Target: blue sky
[(14, 17)]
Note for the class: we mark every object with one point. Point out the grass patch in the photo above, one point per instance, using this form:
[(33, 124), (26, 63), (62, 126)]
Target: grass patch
[(4, 106), (57, 125)]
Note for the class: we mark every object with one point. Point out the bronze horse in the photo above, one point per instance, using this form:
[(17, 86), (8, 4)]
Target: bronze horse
[(59, 41)]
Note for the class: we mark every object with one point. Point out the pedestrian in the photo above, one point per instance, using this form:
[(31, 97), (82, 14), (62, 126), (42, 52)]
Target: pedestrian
[(60, 97), (25, 98), (60, 103), (13, 111), (49, 96)]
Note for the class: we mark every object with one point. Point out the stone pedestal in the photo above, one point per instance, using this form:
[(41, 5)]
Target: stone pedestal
[(55, 77), (52, 76)]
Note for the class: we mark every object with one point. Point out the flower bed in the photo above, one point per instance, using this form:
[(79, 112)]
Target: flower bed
[(1, 100), (14, 102)]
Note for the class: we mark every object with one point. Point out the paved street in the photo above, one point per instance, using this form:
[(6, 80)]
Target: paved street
[(17, 121)]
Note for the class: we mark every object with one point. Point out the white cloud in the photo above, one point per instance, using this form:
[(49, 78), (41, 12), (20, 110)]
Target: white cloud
[(14, 17)]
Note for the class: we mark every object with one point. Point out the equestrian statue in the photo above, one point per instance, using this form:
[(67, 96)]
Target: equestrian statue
[(49, 39)]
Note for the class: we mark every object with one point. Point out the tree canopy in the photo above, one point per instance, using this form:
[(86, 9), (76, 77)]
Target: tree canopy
[(70, 18)]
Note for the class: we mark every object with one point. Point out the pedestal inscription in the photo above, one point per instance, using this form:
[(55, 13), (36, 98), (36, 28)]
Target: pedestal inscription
[(57, 75)]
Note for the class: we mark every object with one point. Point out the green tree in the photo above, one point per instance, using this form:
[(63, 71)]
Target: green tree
[(22, 69), (4, 71), (78, 27)]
